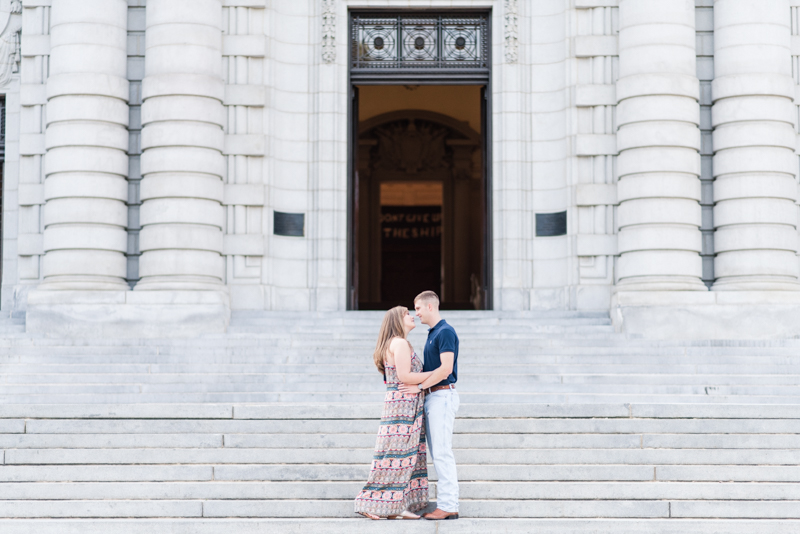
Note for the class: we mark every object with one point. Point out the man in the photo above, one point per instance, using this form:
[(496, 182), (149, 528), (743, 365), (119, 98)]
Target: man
[(441, 401)]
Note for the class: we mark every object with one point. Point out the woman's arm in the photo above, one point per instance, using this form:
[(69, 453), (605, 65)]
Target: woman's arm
[(402, 362)]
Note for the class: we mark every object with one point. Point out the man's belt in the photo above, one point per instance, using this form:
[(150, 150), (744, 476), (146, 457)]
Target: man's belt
[(438, 388)]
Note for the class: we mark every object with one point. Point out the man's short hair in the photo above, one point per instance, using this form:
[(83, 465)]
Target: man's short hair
[(427, 296)]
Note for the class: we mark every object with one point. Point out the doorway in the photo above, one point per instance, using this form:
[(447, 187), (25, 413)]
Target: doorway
[(420, 206)]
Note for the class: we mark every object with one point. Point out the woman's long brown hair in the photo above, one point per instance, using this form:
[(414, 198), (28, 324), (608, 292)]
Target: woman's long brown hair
[(391, 328)]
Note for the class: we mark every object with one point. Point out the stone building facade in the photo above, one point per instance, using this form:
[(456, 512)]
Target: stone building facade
[(168, 161)]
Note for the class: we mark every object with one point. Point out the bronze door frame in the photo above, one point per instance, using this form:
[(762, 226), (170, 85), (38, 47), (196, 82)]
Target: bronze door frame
[(410, 76)]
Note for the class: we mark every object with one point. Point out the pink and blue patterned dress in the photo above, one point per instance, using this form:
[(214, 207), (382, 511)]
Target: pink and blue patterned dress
[(398, 480)]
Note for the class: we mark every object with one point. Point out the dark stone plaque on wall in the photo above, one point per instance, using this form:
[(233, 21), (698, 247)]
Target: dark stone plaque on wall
[(289, 224), (551, 224)]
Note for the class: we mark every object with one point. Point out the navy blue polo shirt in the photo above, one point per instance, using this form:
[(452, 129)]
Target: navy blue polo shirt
[(441, 338)]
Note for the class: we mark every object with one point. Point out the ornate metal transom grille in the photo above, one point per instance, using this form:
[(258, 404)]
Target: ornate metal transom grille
[(420, 42)]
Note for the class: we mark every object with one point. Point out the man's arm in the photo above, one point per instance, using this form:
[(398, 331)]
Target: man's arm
[(437, 375)]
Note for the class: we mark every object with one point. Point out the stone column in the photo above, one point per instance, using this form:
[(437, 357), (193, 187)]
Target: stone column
[(755, 215), (182, 141), (86, 139), (658, 139)]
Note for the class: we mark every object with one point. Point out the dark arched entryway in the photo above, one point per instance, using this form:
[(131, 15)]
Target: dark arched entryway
[(419, 211)]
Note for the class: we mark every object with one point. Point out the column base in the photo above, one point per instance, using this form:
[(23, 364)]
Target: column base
[(756, 283), (729, 315), (180, 283), (129, 314), (83, 283), (661, 283)]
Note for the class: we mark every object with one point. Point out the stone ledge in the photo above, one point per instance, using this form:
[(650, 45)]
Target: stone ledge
[(370, 411), (142, 314), (117, 411), (707, 314), (357, 526)]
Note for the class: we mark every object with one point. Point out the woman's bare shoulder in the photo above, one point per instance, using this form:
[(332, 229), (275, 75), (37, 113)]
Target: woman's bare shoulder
[(397, 343), (397, 340)]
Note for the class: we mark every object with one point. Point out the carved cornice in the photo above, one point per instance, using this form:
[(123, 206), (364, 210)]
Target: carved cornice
[(511, 30), (328, 31)]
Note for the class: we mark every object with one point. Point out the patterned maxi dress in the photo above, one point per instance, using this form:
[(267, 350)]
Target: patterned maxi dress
[(398, 480)]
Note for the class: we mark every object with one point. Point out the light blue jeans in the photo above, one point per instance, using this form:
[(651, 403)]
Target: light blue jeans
[(441, 408)]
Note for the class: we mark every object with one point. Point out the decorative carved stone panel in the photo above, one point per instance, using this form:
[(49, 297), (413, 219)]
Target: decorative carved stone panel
[(11, 22), (411, 146)]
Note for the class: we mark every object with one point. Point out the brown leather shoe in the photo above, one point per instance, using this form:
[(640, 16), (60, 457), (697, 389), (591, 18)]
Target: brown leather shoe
[(440, 514)]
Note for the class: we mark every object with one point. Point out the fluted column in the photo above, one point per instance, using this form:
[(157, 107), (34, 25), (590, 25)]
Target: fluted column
[(182, 141), (86, 139), (755, 215), (658, 139)]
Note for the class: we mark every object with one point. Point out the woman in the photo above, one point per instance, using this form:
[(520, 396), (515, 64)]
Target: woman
[(398, 481)]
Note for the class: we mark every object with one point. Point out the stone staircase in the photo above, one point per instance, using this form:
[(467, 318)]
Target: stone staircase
[(565, 426)]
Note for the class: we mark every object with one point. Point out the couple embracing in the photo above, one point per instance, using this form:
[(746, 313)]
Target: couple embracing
[(418, 416)]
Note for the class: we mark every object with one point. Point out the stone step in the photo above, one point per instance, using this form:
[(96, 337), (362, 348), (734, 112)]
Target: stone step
[(366, 441), (474, 332), (361, 369), (306, 412), (289, 397), (11, 330), (619, 343), (524, 509), (261, 356), (362, 316), (577, 372), (363, 526), (511, 385), (487, 320), (364, 371), (471, 327), (278, 320), (633, 491), (513, 347), (365, 342), (745, 373), (577, 471), (286, 508), (366, 381), (333, 472), (324, 433), (561, 382), (560, 418), (608, 451), (475, 393), (613, 472), (109, 441), (478, 334), (244, 341), (110, 473), (102, 508)]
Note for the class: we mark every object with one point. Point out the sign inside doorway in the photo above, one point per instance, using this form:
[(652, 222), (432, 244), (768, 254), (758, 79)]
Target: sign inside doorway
[(411, 251), (417, 223)]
